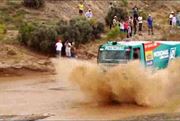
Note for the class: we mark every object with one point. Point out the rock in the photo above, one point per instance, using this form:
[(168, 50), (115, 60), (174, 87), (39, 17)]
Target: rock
[(11, 52)]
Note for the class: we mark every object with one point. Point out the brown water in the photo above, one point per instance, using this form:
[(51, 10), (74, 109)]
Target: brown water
[(130, 83), (81, 90)]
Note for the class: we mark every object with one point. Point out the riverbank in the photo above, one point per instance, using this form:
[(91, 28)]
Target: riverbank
[(18, 61)]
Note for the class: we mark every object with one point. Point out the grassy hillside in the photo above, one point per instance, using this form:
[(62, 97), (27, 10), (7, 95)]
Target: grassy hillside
[(13, 13)]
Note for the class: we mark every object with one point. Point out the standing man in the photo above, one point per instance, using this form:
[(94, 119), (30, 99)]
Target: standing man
[(170, 18), (131, 25), (121, 25), (68, 49), (135, 12), (134, 25), (174, 20), (150, 24), (115, 21), (89, 14), (81, 8), (140, 24), (126, 28), (58, 47)]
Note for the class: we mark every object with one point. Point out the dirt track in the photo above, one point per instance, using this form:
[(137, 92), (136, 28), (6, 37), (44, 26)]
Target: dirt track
[(42, 96)]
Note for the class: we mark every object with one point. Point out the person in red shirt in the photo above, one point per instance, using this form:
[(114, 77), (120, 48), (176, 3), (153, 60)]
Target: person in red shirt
[(126, 26)]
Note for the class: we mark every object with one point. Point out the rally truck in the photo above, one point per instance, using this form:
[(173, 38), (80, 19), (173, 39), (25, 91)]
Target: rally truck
[(150, 53)]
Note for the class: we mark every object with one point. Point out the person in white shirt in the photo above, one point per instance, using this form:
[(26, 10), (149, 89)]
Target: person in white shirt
[(121, 26), (89, 14), (115, 21), (68, 49), (170, 18), (140, 22), (174, 21), (58, 47)]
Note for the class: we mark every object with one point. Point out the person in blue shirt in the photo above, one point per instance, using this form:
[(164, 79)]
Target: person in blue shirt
[(150, 24)]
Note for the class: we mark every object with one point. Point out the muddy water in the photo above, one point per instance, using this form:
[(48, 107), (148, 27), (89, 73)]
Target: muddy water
[(63, 98)]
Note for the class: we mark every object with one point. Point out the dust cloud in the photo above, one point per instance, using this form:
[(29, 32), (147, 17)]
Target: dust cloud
[(128, 83)]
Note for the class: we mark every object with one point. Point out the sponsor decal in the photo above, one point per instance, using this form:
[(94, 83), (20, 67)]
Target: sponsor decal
[(114, 48), (149, 47), (149, 63), (149, 55), (172, 54), (162, 54), (101, 49)]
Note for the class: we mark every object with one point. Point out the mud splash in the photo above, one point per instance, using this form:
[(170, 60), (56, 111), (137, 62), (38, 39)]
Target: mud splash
[(130, 83)]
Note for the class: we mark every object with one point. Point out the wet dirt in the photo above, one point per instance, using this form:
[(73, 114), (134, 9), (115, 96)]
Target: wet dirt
[(57, 97)]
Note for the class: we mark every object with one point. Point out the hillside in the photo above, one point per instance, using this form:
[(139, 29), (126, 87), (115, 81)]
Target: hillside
[(13, 13)]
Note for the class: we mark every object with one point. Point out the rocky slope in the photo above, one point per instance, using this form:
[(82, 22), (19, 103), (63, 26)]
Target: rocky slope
[(16, 60)]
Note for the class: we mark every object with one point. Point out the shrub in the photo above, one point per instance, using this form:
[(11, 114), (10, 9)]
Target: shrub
[(38, 37), (98, 28), (115, 32), (2, 29), (80, 30), (25, 31), (33, 3), (116, 11), (125, 2), (143, 14), (42, 37)]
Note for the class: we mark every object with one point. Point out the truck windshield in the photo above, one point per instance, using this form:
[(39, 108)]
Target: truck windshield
[(113, 56)]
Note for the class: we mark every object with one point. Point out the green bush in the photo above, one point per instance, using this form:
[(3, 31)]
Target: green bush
[(2, 29), (115, 32), (25, 31), (125, 2), (42, 37), (116, 11), (98, 28), (39, 37), (34, 3), (80, 30), (143, 14)]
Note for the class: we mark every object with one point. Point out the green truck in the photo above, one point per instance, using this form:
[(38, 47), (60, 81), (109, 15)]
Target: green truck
[(155, 54)]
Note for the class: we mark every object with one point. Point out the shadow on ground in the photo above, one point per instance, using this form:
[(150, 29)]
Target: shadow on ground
[(155, 117)]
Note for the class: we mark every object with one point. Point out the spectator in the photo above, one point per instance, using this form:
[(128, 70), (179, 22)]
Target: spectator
[(150, 24), (140, 23), (58, 47), (135, 25), (73, 50), (174, 21), (135, 12), (115, 21), (111, 5), (170, 18), (126, 27), (68, 49), (121, 26), (89, 14), (130, 25), (129, 31), (81, 8)]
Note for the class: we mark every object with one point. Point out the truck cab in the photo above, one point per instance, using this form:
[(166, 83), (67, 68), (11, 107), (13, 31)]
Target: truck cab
[(155, 54)]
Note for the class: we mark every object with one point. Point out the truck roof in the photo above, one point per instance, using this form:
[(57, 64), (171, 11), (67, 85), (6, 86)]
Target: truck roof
[(134, 43)]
